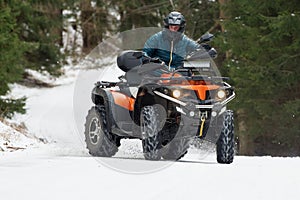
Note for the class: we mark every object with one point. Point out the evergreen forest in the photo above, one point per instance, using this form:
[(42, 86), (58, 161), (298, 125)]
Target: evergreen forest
[(258, 44)]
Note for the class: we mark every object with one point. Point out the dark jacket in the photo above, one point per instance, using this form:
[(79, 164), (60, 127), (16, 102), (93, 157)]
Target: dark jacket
[(165, 42)]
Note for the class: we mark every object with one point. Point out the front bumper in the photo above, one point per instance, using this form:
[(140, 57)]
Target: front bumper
[(198, 120), (215, 106)]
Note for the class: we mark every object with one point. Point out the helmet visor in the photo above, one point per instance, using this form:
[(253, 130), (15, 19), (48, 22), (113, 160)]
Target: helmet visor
[(174, 21)]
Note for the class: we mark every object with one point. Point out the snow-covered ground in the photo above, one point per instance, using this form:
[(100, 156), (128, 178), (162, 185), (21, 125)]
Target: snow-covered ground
[(53, 163)]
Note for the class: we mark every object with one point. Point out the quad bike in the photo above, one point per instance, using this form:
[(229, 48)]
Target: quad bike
[(164, 108)]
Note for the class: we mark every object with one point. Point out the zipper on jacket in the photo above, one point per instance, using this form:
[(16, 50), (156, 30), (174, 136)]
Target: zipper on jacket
[(171, 55)]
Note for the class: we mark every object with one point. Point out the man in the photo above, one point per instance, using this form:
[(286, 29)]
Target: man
[(171, 45)]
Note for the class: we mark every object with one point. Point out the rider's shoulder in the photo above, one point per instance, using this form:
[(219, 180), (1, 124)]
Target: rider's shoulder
[(189, 41), (158, 34)]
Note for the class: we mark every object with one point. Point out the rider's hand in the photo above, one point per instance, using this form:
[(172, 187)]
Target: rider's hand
[(205, 46), (156, 60)]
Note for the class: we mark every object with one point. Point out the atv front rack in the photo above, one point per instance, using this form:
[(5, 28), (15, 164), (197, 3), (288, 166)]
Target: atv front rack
[(188, 78), (105, 84)]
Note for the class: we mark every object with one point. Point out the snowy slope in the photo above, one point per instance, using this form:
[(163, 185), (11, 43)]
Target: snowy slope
[(62, 169), (12, 139)]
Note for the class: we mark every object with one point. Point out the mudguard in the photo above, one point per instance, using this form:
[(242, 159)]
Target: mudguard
[(119, 107), (145, 97), (103, 97)]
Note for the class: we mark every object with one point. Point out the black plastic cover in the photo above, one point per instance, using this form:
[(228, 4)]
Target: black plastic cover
[(127, 60)]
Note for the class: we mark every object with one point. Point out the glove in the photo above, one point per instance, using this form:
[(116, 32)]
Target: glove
[(205, 46), (156, 60), (212, 53)]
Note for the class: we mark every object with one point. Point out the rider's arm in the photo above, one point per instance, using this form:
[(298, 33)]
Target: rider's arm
[(191, 45), (151, 45)]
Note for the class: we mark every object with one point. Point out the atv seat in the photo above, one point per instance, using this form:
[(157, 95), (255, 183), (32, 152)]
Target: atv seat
[(133, 77), (137, 66)]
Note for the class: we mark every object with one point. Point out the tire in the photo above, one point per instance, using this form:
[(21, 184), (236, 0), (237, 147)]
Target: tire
[(176, 149), (225, 143), (150, 126), (97, 137)]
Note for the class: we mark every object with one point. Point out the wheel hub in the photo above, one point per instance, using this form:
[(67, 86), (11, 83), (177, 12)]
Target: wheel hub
[(94, 131)]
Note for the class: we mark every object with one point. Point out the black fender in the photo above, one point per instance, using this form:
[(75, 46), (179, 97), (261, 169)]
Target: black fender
[(103, 97), (146, 97)]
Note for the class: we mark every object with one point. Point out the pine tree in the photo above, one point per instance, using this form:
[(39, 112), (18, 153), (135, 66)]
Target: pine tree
[(30, 37), (40, 25), (264, 41), (137, 14), (200, 16), (94, 22), (11, 51)]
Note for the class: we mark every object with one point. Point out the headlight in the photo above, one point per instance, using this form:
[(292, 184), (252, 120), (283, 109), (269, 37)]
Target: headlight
[(221, 94), (176, 93)]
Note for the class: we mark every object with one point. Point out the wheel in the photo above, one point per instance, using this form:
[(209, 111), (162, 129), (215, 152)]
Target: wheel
[(176, 149), (225, 143), (98, 140), (150, 126)]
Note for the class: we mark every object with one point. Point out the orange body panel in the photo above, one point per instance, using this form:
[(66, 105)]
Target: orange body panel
[(123, 100), (199, 86), (168, 76), (201, 89)]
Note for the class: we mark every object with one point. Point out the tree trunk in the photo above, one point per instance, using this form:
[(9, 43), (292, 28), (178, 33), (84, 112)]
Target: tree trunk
[(92, 27), (246, 144)]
